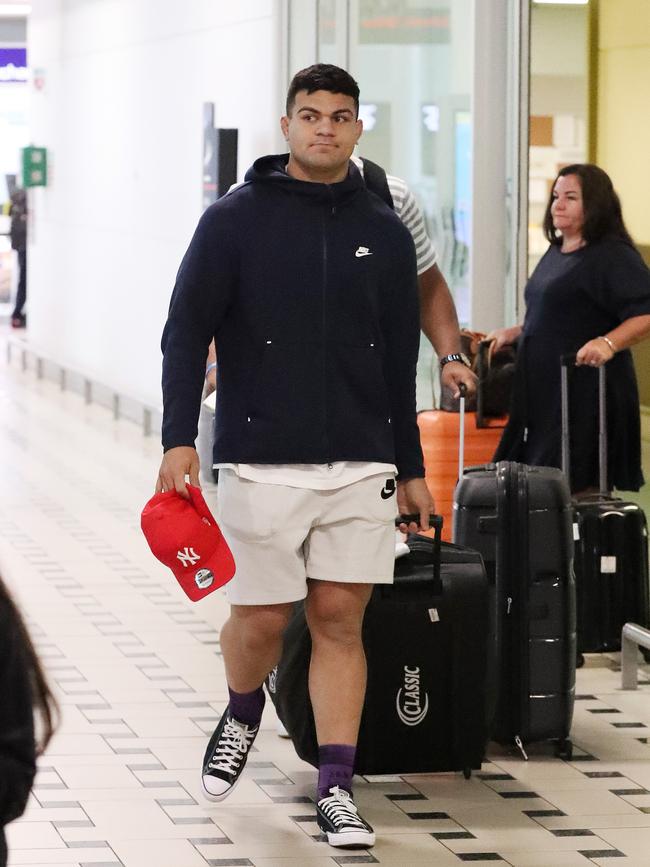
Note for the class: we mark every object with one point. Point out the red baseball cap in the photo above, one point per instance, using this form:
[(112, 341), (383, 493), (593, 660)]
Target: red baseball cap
[(183, 535)]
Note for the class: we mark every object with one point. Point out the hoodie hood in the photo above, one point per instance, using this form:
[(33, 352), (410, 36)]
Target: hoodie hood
[(273, 169)]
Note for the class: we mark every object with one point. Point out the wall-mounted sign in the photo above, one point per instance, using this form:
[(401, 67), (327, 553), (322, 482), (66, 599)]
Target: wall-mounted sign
[(219, 157), (403, 22), (13, 65), (34, 167)]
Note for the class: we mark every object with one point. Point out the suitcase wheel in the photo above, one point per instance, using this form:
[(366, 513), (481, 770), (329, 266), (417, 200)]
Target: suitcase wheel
[(564, 749), (467, 773), (580, 660), (646, 654)]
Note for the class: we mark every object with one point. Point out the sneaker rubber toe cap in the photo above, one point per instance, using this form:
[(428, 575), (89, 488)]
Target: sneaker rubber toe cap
[(351, 839), (215, 787)]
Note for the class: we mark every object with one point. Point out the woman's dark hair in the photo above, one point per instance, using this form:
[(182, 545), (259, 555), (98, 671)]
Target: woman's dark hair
[(323, 76), (601, 204), (43, 700)]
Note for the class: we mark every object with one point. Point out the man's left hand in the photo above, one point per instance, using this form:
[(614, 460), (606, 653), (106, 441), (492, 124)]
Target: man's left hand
[(413, 498), (453, 374)]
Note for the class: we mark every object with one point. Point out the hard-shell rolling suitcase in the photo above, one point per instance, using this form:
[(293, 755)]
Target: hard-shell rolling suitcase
[(519, 518), (611, 546), (426, 643)]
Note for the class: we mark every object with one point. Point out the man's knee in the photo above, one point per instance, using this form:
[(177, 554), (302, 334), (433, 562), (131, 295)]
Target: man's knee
[(260, 625), (335, 612)]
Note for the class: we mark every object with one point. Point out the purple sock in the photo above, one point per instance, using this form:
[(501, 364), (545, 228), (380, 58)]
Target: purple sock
[(247, 707), (335, 767)]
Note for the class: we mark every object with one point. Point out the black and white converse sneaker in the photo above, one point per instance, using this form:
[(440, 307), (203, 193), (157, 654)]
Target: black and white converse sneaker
[(338, 818), (226, 756)]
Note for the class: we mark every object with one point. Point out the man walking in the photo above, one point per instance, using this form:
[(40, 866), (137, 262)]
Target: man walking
[(308, 283)]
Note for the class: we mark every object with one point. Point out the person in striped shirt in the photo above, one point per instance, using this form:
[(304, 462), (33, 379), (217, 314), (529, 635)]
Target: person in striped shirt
[(438, 318)]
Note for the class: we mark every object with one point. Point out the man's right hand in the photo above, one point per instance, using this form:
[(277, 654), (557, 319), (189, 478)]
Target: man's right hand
[(176, 464)]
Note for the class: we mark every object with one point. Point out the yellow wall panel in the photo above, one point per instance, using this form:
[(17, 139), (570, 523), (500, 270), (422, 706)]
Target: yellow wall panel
[(624, 132), (624, 23), (623, 137)]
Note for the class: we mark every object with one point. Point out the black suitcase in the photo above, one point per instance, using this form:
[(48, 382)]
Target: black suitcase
[(611, 547), (426, 642), (519, 518)]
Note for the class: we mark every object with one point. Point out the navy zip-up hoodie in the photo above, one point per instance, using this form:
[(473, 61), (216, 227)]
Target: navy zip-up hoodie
[(310, 291)]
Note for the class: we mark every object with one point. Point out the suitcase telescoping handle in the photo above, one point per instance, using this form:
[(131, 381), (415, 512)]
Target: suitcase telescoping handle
[(435, 523), (482, 368), (566, 362), (462, 388)]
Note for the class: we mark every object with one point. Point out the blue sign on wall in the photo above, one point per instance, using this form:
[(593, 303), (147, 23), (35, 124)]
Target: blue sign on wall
[(13, 65)]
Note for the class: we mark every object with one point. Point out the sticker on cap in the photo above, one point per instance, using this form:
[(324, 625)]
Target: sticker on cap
[(203, 578)]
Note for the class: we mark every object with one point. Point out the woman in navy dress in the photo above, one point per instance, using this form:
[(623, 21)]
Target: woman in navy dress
[(589, 295)]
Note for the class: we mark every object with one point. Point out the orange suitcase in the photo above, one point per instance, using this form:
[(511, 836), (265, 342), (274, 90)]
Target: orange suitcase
[(440, 436)]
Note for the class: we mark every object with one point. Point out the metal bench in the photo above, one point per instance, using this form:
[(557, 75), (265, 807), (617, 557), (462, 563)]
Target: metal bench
[(633, 636)]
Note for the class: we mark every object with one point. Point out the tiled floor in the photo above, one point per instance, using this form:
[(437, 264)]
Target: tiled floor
[(139, 677)]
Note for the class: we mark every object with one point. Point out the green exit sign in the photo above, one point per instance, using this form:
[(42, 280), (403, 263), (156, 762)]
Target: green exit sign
[(34, 167)]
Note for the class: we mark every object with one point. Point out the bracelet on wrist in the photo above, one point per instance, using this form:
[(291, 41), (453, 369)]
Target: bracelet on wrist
[(212, 366), (609, 342), (459, 357)]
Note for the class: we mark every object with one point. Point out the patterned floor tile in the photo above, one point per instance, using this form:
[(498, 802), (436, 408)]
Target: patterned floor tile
[(137, 671)]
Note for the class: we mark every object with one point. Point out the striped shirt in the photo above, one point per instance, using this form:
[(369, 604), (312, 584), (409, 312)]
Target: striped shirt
[(410, 213)]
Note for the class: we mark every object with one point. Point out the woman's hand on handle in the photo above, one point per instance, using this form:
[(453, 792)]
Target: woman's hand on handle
[(504, 337), (594, 353), (602, 349)]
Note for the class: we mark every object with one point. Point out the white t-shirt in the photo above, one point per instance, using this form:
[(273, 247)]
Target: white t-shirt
[(328, 477), (316, 477)]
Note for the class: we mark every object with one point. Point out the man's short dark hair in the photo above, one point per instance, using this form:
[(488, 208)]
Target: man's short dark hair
[(323, 76)]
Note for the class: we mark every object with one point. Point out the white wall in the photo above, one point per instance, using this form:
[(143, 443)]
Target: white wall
[(121, 116), (559, 63)]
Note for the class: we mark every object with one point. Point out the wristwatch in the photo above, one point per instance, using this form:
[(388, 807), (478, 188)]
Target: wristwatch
[(455, 356)]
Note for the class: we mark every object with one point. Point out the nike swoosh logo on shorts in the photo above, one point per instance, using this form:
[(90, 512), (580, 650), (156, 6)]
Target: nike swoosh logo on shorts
[(362, 251), (388, 490)]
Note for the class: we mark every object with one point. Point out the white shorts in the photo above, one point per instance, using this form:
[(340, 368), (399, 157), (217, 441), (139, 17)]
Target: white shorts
[(280, 536)]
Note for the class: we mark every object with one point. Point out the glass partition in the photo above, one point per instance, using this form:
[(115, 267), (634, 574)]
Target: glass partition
[(413, 62), (327, 31), (427, 84)]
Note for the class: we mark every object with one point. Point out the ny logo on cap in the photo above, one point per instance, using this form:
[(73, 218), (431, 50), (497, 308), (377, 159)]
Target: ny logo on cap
[(188, 556)]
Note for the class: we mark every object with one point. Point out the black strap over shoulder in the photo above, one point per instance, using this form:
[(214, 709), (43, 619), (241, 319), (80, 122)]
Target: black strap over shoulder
[(375, 178)]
